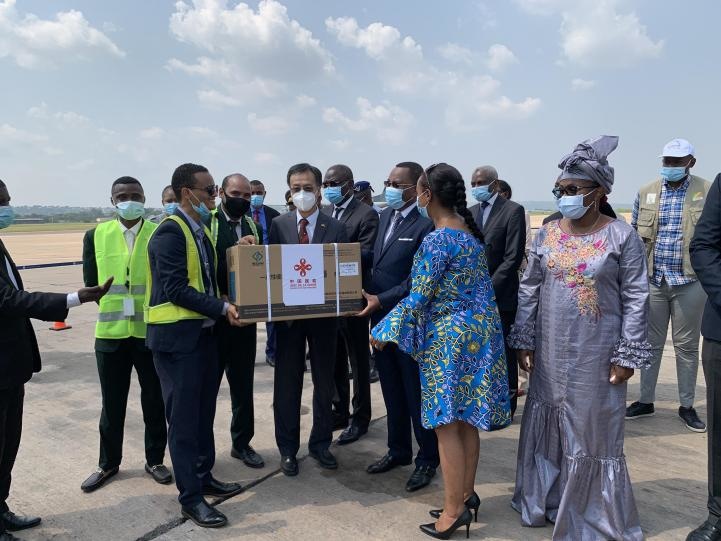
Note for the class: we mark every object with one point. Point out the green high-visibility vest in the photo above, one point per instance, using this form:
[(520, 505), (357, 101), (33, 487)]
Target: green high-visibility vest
[(214, 226), (168, 312), (121, 309)]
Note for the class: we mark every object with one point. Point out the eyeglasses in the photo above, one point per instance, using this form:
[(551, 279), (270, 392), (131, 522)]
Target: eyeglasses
[(211, 190), (394, 184), (571, 189), (332, 183)]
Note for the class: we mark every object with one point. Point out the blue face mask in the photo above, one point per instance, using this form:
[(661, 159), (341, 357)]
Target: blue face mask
[(481, 193), (256, 201), (423, 211), (7, 216), (673, 174), (571, 206), (130, 210), (334, 194), (202, 210), (170, 208), (394, 197)]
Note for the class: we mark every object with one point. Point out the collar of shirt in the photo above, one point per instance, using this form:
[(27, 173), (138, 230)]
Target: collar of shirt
[(405, 212), (134, 230), (194, 226), (344, 204), (312, 219), (492, 200), (227, 217), (681, 187)]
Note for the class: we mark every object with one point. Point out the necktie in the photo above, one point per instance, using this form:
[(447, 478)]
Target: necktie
[(256, 215), (303, 232), (397, 219), (234, 228), (337, 211)]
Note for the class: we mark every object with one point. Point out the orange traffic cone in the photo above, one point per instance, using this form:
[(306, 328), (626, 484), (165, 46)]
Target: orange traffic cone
[(60, 326)]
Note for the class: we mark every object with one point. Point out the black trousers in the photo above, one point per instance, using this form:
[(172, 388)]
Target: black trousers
[(236, 358), (401, 386), (11, 425), (507, 319), (190, 388), (353, 346), (114, 370), (321, 335), (711, 359)]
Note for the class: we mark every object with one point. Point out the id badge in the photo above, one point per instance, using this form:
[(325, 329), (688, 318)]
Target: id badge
[(128, 307)]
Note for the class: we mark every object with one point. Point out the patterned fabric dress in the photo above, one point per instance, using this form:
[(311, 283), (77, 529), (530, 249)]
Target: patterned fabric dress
[(449, 324), (582, 306)]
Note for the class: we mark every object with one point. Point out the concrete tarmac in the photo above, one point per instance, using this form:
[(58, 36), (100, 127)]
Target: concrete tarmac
[(60, 449)]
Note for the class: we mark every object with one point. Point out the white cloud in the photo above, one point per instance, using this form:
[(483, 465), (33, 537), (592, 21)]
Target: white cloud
[(377, 39), (10, 134), (304, 101), (265, 158), (82, 165), (270, 125), (249, 53), (340, 144), (149, 134), (500, 56), (389, 122), (452, 52), (582, 84), (32, 42), (64, 118), (599, 33)]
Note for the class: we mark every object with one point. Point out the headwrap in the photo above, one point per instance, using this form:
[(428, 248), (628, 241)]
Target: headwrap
[(588, 161)]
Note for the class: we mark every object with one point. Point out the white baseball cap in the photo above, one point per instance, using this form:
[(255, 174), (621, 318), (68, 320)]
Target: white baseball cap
[(677, 148)]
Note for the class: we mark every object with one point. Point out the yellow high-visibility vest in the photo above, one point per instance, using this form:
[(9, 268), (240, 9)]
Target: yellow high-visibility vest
[(168, 312), (214, 226), (121, 309)]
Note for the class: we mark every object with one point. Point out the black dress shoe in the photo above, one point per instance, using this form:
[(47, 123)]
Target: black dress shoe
[(14, 523), (387, 463), (204, 515), (420, 478), (160, 473), (270, 361), (373, 375), (351, 434), (339, 422), (325, 459), (708, 531), (289, 465), (221, 489), (97, 479), (249, 457)]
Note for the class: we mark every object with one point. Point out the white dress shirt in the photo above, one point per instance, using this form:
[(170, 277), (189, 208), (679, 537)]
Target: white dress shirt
[(487, 210), (238, 225), (72, 299), (130, 234), (405, 212), (342, 208), (310, 226)]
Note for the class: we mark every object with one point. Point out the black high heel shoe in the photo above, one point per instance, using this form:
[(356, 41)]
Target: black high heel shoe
[(473, 503), (464, 520)]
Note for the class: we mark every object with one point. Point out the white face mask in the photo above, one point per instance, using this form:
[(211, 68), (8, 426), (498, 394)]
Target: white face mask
[(304, 201)]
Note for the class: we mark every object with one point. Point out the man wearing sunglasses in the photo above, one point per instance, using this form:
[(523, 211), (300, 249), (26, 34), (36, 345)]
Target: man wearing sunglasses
[(503, 224), (665, 214), (182, 308)]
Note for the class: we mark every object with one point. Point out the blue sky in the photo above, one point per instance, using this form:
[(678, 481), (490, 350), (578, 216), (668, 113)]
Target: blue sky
[(96, 90)]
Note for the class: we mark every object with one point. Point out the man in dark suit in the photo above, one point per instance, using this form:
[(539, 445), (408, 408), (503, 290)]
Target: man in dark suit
[(181, 314), (361, 223), (306, 225), (20, 357), (705, 251), (236, 345), (264, 215), (400, 233), (503, 223)]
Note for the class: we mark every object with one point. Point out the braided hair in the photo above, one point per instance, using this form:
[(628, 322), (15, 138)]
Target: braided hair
[(447, 184)]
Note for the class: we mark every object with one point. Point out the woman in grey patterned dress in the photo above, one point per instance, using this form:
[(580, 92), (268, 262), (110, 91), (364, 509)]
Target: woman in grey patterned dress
[(581, 331)]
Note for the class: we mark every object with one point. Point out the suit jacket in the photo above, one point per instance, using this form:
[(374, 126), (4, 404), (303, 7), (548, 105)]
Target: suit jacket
[(505, 238), (169, 270), (361, 223), (705, 251), (19, 353), (392, 263), (90, 278), (226, 239), (270, 215)]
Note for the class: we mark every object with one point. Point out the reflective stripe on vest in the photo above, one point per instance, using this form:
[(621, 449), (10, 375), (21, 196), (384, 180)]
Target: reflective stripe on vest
[(214, 227), (129, 269), (168, 312)]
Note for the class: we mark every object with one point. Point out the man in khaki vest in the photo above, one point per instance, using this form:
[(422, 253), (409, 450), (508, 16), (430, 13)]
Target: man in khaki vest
[(665, 214)]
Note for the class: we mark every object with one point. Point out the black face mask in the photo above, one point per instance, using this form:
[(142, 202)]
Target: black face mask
[(236, 207)]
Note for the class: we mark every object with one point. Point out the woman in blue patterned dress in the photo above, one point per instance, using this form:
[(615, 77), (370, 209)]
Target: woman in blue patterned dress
[(449, 324)]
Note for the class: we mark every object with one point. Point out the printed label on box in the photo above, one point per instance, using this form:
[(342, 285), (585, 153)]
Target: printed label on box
[(348, 269), (303, 271)]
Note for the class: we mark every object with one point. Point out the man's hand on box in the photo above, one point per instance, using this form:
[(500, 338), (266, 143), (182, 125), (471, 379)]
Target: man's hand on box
[(247, 240), (234, 317), (373, 305)]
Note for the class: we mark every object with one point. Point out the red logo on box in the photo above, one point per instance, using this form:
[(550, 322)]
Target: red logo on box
[(302, 267)]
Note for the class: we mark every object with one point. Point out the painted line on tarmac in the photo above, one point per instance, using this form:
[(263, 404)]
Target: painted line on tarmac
[(174, 523), (49, 265)]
